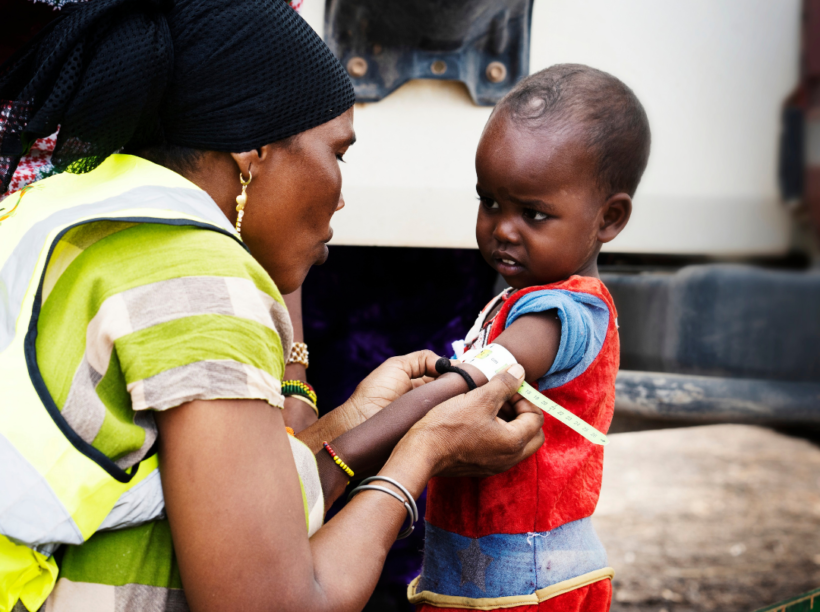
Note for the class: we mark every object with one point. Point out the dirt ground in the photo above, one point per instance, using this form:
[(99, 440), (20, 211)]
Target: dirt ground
[(721, 517)]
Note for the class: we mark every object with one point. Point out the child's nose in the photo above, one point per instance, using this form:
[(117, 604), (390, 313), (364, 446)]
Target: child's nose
[(506, 232)]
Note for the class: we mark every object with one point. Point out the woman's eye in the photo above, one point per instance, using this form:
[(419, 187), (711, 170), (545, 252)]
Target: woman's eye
[(340, 157), (535, 215)]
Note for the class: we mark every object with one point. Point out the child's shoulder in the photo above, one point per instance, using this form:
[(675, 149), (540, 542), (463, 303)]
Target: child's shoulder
[(585, 291), (587, 316), (574, 284)]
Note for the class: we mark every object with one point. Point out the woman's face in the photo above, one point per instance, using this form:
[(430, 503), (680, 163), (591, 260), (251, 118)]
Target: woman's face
[(295, 190)]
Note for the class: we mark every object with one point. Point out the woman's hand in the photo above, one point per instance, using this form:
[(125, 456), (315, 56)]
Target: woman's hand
[(467, 437), (383, 386), (389, 382)]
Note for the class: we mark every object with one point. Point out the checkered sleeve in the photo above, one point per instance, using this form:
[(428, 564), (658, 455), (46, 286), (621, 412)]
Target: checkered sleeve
[(180, 314)]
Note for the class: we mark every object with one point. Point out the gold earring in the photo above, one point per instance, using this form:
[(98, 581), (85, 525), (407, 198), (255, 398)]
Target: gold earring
[(241, 200)]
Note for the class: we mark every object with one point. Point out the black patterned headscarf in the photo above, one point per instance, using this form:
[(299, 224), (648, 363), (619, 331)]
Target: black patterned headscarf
[(222, 75)]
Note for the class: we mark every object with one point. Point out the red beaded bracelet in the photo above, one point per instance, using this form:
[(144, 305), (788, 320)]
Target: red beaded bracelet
[(337, 460)]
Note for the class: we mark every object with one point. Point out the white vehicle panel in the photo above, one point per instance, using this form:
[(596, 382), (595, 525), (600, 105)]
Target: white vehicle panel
[(712, 75)]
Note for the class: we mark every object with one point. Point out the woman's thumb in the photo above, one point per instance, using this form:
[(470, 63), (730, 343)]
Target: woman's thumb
[(517, 370), (502, 387)]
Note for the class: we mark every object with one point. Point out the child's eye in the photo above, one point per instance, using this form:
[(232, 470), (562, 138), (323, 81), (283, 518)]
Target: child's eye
[(488, 203), (535, 215)]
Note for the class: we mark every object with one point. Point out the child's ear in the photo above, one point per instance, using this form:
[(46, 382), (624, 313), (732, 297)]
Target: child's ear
[(615, 215)]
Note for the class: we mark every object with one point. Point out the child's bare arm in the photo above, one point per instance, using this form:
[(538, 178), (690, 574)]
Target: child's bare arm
[(533, 340), (366, 447)]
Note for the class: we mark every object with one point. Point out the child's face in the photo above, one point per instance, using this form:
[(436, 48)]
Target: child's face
[(540, 209)]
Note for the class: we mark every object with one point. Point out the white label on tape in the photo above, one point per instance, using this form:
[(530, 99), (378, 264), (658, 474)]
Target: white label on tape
[(494, 358), (491, 360)]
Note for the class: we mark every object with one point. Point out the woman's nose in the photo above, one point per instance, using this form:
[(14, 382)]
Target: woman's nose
[(341, 203)]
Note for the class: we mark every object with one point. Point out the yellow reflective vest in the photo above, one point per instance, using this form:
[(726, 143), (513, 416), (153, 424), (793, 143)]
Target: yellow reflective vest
[(55, 488)]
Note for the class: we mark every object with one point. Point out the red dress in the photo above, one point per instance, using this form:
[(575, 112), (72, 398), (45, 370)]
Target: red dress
[(523, 538)]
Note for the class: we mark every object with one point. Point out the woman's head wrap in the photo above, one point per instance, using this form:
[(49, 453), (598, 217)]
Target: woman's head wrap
[(223, 75)]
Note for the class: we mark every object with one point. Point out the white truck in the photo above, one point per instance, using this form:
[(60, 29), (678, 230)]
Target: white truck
[(705, 334)]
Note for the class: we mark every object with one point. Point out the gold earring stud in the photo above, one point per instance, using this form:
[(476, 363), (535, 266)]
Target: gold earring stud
[(241, 200)]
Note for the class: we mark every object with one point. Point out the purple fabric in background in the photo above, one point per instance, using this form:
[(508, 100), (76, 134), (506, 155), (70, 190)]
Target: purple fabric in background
[(367, 304)]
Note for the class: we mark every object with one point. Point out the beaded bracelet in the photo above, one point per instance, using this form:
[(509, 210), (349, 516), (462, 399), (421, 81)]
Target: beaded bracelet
[(297, 387), (306, 401), (338, 460), (299, 354)]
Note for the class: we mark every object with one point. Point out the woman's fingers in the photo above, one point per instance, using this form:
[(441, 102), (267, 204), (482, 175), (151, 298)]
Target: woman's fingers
[(490, 445), (387, 383), (524, 431), (520, 406), (465, 434), (499, 390), (527, 425), (418, 382), (430, 359), (417, 365)]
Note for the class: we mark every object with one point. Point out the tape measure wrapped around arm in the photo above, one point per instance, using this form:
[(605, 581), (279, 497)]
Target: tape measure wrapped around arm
[(494, 359)]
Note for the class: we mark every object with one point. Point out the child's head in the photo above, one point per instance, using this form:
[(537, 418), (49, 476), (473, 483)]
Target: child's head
[(558, 163)]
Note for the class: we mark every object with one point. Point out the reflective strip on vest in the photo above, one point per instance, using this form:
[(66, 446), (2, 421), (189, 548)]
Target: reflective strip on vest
[(56, 488)]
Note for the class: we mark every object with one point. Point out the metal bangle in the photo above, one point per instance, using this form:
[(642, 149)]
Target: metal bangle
[(400, 487), (407, 507)]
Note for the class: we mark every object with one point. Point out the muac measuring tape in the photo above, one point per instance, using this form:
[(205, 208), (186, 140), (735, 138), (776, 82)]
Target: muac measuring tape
[(494, 359)]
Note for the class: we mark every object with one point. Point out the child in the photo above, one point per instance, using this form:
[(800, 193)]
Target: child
[(558, 163)]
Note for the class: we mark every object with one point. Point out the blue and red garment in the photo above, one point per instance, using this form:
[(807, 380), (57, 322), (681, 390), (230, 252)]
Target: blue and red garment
[(523, 540)]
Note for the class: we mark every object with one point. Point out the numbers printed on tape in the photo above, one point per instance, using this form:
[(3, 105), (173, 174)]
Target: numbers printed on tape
[(563, 415)]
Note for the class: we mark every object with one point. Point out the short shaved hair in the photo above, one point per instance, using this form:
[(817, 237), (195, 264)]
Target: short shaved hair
[(567, 97)]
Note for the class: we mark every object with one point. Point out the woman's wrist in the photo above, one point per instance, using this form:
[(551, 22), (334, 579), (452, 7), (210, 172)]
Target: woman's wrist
[(326, 429), (413, 463), (295, 371), (298, 415), (346, 417)]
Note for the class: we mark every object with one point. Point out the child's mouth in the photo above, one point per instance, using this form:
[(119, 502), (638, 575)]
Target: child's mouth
[(507, 266)]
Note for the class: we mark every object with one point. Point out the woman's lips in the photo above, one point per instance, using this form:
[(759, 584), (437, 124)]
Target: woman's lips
[(324, 252)]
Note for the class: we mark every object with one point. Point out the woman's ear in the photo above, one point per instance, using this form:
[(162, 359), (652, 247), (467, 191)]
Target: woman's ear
[(247, 161), (615, 215)]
